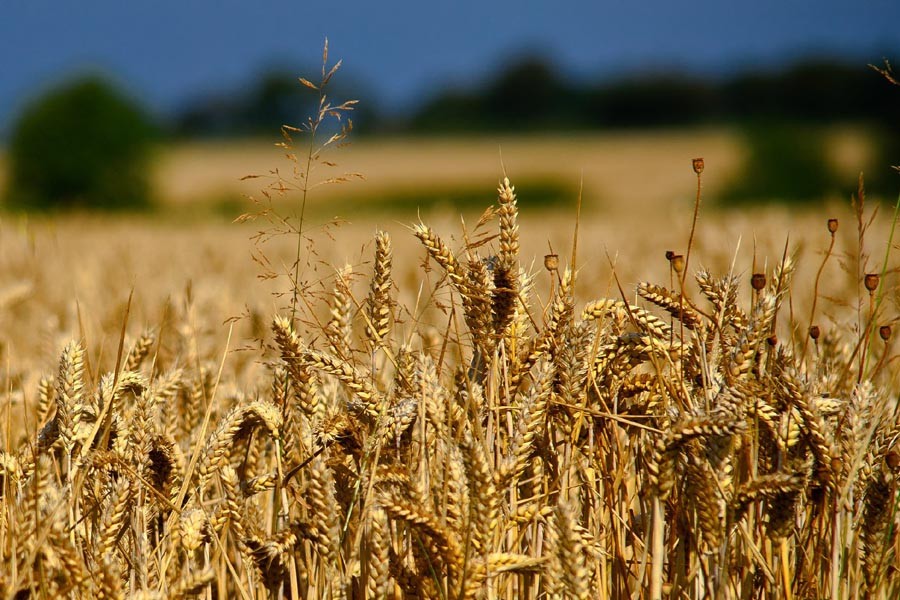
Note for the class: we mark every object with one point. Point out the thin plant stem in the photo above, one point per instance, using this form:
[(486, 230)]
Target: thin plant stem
[(880, 292), (815, 299)]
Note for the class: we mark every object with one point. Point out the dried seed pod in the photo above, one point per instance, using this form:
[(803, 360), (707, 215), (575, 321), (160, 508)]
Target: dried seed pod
[(832, 226), (885, 332), (758, 281), (670, 254), (772, 340), (698, 165), (814, 332), (677, 261), (871, 281), (551, 262), (892, 459)]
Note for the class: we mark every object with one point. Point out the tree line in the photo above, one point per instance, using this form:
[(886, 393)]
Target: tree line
[(532, 94)]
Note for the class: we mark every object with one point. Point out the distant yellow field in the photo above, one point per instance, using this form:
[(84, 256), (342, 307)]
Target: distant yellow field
[(621, 171)]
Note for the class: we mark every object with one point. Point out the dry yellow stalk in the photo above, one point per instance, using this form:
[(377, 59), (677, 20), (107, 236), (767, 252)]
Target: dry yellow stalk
[(401, 509), (70, 401), (238, 423), (378, 304), (303, 380), (506, 267), (671, 302), (703, 492), (367, 399), (324, 509), (876, 544), (768, 487), (441, 254), (662, 467), (604, 308), (484, 501), (139, 351), (379, 543), (567, 573), (192, 584), (114, 519), (339, 329)]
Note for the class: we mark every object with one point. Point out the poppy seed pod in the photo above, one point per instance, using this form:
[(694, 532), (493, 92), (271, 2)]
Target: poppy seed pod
[(698, 165), (871, 281), (814, 332), (551, 262), (832, 225), (677, 261), (885, 332), (758, 281)]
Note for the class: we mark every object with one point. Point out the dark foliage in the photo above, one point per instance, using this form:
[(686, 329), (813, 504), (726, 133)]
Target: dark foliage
[(276, 98), (83, 145)]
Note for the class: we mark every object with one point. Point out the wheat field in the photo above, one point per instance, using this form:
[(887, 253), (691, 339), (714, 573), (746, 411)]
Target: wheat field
[(574, 403), (450, 415)]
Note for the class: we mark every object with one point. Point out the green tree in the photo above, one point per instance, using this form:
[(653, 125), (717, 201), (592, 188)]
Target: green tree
[(83, 145)]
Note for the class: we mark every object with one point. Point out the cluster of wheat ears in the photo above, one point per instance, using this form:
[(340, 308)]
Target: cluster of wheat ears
[(682, 444)]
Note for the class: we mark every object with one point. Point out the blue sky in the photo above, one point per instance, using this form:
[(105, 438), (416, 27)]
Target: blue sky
[(166, 51)]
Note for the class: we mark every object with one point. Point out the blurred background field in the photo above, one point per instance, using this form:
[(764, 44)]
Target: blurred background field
[(621, 171)]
